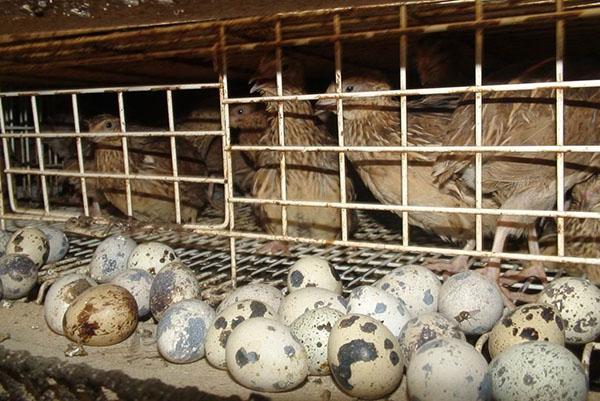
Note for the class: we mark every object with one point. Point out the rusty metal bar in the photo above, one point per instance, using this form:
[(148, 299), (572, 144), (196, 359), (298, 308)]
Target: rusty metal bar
[(111, 89), (478, 124), (173, 143), (404, 126), (40, 154), (125, 153), (281, 129), (80, 163), (560, 157), (112, 134)]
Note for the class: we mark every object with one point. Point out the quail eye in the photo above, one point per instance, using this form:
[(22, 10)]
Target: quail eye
[(109, 125), (349, 88), (241, 111)]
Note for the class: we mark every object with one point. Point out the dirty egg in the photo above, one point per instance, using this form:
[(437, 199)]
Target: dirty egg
[(138, 283), (264, 293), (313, 271), (263, 355), (110, 257), (175, 282), (364, 357), (18, 274), (538, 370), (152, 257), (57, 241), (305, 299), (181, 332), (226, 322), (31, 242), (102, 315), (450, 370), (60, 296)]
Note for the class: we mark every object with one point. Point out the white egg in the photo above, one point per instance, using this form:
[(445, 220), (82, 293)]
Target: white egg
[(312, 330), (305, 299), (181, 332), (58, 243), (415, 285), (31, 242), (226, 322), (424, 328), (110, 257), (264, 293), (18, 274), (138, 283), (175, 282), (152, 257), (364, 357), (538, 370), (263, 355), (450, 370), (60, 296), (380, 305), (4, 238), (472, 300), (578, 302), (312, 271)]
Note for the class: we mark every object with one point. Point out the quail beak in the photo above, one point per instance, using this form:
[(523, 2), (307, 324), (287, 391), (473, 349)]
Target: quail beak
[(258, 83)]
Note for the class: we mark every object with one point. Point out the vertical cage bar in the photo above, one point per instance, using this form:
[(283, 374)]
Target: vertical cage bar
[(2, 194), (560, 157), (404, 125), (478, 123), (281, 129), (80, 162), (174, 156), (125, 153), (40, 154), (9, 180)]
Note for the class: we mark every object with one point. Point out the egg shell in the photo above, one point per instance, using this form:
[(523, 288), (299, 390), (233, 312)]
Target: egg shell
[(4, 238), (18, 274), (305, 299), (226, 322), (102, 315), (538, 370), (31, 242), (472, 300), (263, 355), (313, 271), (181, 332), (424, 328), (264, 293), (379, 305), (415, 285), (364, 357), (138, 283), (110, 257), (578, 302), (58, 243), (60, 296), (152, 257), (175, 282), (531, 322)]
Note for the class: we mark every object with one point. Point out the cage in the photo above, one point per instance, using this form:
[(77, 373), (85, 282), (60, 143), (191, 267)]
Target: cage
[(174, 71)]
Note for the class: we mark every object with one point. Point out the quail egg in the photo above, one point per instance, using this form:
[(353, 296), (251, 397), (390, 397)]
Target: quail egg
[(138, 283), (472, 300), (4, 238), (415, 285), (226, 321), (181, 332), (152, 257), (312, 271), (364, 357), (31, 242), (312, 330), (263, 355), (305, 299), (264, 293), (424, 328), (110, 257), (450, 370), (530, 322), (578, 302), (175, 282), (538, 370), (18, 274), (60, 296), (58, 243), (102, 315)]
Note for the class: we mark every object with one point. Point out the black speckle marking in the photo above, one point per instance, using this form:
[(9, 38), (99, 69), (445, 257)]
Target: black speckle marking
[(223, 337), (326, 327), (258, 309), (368, 327), (242, 358), (428, 297), (529, 333), (394, 358), (220, 323), (388, 344), (319, 344), (547, 314), (348, 322), (289, 350), (385, 286), (380, 307), (349, 353), (507, 322), (529, 316), (559, 322), (296, 279), (528, 380), (515, 331), (236, 321), (271, 328)]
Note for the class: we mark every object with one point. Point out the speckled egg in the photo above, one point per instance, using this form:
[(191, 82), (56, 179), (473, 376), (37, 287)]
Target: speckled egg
[(532, 322), (57, 241), (181, 332), (175, 282), (4, 238), (450, 370), (364, 357), (138, 283), (538, 370), (152, 257), (31, 242), (313, 271), (578, 302), (60, 296), (472, 300), (415, 285), (226, 321), (263, 356), (264, 293), (380, 305), (424, 328), (18, 274), (102, 315), (110, 257), (305, 299), (312, 330)]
